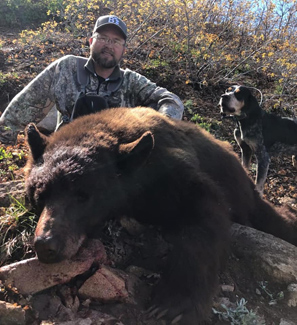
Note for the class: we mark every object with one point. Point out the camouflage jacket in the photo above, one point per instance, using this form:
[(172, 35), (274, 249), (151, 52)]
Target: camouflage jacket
[(58, 85)]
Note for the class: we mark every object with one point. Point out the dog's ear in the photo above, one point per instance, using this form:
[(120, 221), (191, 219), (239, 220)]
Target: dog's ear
[(232, 89), (241, 93), (247, 93)]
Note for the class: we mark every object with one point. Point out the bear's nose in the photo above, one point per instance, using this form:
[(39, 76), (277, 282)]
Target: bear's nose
[(47, 249)]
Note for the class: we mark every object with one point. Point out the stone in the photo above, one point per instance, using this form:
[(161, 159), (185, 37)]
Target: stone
[(292, 295), (106, 285), (31, 276), (286, 322), (12, 314), (227, 287), (265, 253), (48, 124)]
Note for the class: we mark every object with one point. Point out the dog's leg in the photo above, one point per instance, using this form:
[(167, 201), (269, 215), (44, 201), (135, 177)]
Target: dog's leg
[(246, 151), (263, 161)]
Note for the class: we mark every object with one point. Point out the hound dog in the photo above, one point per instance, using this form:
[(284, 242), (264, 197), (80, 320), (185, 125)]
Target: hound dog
[(257, 130)]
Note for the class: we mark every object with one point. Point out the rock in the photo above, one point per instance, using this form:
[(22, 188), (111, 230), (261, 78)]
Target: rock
[(292, 295), (30, 276), (227, 287), (106, 285), (262, 252), (285, 322), (84, 317), (49, 306), (80, 321), (11, 314), (48, 124), (223, 301), (92, 317), (132, 226)]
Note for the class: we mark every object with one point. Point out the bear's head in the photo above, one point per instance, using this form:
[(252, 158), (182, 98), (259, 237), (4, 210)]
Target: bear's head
[(77, 179)]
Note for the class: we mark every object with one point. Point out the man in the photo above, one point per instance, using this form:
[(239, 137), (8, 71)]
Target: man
[(58, 85)]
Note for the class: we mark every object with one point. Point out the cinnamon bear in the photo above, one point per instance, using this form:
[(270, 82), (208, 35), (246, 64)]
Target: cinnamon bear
[(160, 171)]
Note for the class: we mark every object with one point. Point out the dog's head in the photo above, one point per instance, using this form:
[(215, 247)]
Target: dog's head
[(234, 100)]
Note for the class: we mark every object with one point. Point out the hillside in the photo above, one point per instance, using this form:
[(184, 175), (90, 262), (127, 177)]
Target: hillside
[(194, 49)]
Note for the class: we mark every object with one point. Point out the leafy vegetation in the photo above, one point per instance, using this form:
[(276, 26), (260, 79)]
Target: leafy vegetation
[(240, 315), (206, 41), (11, 159), (273, 298), (24, 13)]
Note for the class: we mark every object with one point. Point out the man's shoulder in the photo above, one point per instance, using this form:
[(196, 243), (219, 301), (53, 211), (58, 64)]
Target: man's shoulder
[(67, 63), (70, 58), (130, 74), (128, 71)]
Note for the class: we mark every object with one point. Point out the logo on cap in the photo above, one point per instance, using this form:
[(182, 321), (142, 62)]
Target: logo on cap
[(114, 20)]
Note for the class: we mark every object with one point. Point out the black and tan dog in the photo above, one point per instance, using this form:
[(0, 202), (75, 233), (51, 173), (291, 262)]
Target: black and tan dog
[(257, 130)]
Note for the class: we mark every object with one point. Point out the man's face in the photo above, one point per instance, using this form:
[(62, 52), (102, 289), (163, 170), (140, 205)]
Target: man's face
[(107, 47)]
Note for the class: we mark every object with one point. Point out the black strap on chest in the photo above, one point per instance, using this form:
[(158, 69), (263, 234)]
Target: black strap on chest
[(83, 77), (86, 103)]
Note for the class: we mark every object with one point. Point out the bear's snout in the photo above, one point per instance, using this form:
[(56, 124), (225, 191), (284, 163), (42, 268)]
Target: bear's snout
[(48, 249), (56, 237)]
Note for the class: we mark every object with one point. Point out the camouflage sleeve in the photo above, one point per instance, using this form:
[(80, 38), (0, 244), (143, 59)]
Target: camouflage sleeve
[(148, 94), (30, 105)]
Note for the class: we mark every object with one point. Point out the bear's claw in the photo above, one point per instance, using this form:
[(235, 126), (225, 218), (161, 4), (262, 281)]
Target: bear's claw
[(177, 319), (158, 313)]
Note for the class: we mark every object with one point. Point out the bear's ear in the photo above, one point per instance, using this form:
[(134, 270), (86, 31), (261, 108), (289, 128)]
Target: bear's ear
[(134, 154), (37, 141)]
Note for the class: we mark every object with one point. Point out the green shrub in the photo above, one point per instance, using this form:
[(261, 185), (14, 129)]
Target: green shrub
[(25, 13)]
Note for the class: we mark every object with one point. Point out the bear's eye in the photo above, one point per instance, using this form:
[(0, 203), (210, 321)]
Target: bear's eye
[(39, 200), (81, 196)]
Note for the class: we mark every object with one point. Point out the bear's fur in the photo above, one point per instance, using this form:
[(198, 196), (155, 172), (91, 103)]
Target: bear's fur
[(160, 171)]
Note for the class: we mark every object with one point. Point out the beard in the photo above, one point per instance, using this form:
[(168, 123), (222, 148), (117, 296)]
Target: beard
[(102, 61)]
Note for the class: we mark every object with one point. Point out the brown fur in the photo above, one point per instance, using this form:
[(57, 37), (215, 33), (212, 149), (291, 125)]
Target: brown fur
[(159, 171)]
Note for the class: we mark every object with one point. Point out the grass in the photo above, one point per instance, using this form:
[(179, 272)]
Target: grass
[(203, 122), (11, 159), (17, 225)]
